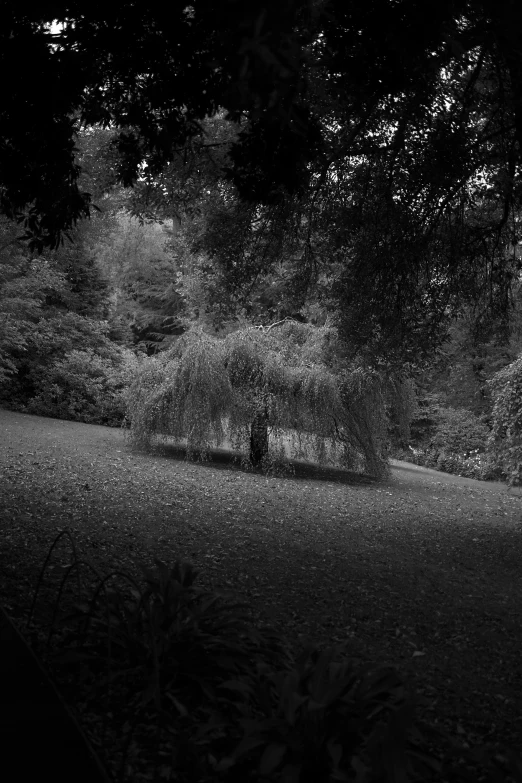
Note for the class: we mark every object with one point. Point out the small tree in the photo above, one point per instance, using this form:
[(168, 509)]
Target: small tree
[(262, 386)]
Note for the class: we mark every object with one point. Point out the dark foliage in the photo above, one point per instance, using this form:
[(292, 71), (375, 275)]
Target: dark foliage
[(292, 74), (225, 700), (56, 358)]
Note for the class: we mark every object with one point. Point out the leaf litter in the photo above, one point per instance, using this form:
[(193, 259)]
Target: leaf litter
[(431, 583)]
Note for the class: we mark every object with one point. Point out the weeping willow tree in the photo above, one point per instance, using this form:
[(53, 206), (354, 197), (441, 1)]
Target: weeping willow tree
[(263, 389)]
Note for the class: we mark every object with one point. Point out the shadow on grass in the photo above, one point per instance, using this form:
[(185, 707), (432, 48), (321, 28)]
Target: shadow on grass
[(226, 459)]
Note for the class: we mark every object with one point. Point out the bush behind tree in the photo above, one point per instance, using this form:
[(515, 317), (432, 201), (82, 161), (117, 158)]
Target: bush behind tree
[(506, 435), (85, 386), (453, 440), (54, 361)]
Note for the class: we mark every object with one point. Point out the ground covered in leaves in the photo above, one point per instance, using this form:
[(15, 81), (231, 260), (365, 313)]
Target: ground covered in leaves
[(423, 571)]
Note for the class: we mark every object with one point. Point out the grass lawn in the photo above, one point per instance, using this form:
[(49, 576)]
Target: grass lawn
[(423, 571)]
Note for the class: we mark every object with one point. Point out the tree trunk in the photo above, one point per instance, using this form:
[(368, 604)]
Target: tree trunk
[(259, 438)]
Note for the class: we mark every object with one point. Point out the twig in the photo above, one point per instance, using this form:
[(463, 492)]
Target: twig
[(266, 329)]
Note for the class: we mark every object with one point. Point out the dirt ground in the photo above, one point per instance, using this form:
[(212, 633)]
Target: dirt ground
[(423, 571)]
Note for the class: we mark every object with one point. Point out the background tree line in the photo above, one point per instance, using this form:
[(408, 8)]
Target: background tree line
[(351, 168), (177, 275)]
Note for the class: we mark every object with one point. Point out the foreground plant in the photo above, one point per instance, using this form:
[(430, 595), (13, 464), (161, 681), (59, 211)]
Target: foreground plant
[(187, 689), (162, 652), (326, 719)]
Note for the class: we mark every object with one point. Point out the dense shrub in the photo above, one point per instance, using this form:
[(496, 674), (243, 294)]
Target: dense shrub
[(455, 442), (67, 367), (478, 466), (425, 420), (459, 432), (506, 435), (402, 408), (54, 361), (85, 386)]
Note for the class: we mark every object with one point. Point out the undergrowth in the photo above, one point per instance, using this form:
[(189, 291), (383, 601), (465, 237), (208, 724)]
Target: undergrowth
[(454, 441), (176, 683)]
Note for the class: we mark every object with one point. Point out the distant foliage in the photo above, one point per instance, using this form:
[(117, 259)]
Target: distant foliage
[(207, 388), (456, 442), (402, 408), (25, 287), (85, 386), (506, 435), (471, 356), (459, 432), (143, 274), (53, 361)]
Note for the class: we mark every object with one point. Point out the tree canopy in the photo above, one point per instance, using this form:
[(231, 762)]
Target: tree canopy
[(304, 81), (370, 151)]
